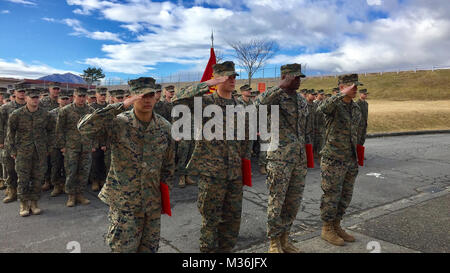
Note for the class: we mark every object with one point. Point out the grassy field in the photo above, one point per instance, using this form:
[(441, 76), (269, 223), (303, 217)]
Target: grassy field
[(398, 116)]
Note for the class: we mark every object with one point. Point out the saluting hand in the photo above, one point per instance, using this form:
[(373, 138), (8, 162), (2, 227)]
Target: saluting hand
[(348, 89), (216, 81), (129, 101)]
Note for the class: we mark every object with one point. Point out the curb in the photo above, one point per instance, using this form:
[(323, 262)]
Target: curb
[(410, 133)]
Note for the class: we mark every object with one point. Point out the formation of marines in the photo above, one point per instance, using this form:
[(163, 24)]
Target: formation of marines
[(121, 142)]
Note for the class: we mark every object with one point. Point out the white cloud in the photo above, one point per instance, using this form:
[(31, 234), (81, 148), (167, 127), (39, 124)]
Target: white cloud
[(79, 30), (20, 69), (5, 11), (374, 2), (23, 2), (416, 32)]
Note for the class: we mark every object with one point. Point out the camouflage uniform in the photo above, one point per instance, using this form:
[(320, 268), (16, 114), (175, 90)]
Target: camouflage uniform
[(28, 137), (339, 166), (2, 171), (57, 172), (48, 104), (319, 129), (218, 165), (142, 157), (98, 167), (364, 106), (286, 166), (164, 108), (313, 117), (77, 157), (5, 112)]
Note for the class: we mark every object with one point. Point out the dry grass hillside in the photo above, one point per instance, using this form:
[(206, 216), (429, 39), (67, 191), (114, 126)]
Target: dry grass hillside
[(422, 85)]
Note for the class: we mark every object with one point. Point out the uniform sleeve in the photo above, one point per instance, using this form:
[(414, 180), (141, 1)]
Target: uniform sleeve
[(100, 122), (2, 125), (11, 135), (168, 166), (270, 97), (186, 95), (61, 129), (364, 124), (329, 106), (50, 132), (309, 127)]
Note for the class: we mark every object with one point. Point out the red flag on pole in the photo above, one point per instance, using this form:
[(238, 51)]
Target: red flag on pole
[(208, 74)]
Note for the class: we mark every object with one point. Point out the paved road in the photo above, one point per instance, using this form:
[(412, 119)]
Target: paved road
[(392, 203)]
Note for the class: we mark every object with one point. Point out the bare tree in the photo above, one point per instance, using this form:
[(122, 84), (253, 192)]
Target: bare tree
[(219, 56), (252, 56)]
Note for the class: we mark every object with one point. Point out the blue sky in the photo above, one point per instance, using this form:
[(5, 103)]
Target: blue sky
[(132, 38)]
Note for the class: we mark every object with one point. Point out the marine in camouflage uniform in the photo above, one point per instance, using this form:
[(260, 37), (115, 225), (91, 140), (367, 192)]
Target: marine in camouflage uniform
[(163, 107), (319, 125), (364, 106), (98, 167), (57, 172), (339, 166), (3, 91), (312, 106), (286, 165), (76, 148), (142, 157), (218, 165), (5, 112), (48, 102), (28, 138)]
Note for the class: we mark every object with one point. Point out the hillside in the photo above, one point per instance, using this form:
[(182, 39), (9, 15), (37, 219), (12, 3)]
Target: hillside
[(64, 78), (422, 85)]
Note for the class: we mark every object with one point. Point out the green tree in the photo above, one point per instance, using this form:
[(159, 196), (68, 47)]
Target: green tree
[(92, 74)]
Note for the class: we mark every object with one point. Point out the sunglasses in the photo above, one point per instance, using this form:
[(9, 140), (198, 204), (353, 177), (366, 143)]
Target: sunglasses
[(82, 96), (21, 91), (119, 98), (64, 98)]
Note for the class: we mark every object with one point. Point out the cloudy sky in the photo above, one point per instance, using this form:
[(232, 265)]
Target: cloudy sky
[(131, 38)]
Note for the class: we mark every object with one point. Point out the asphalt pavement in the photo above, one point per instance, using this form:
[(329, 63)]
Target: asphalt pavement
[(401, 203)]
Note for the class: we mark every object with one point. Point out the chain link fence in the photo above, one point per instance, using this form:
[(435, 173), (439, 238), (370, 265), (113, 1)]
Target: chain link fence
[(266, 74)]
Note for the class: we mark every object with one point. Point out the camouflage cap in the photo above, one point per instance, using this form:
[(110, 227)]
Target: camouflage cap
[(3, 89), (142, 85), (158, 87), (336, 89), (254, 93), (65, 94), (19, 87), (117, 93), (311, 91), (81, 91), (292, 69), (91, 93), (321, 92), (303, 91), (224, 69), (170, 88), (234, 93), (363, 91), (349, 79), (54, 85), (328, 95), (101, 90), (245, 87), (32, 92)]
